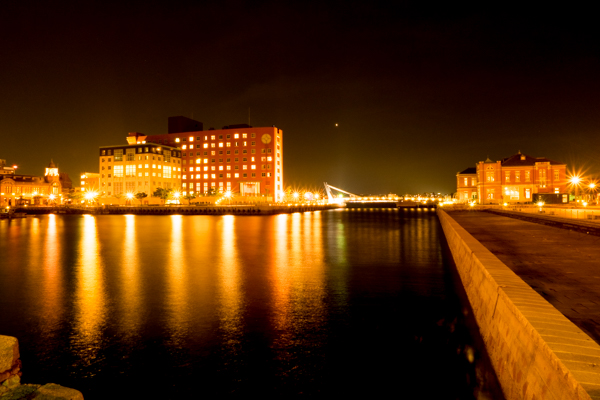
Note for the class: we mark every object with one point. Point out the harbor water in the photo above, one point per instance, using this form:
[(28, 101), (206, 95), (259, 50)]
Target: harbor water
[(320, 303)]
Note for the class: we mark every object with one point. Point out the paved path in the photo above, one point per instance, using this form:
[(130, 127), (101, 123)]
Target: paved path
[(561, 265)]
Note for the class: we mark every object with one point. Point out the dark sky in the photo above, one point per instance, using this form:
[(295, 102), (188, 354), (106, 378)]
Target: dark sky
[(420, 91)]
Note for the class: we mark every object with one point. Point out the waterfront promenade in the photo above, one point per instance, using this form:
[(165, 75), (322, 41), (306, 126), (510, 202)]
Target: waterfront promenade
[(533, 289), (562, 265)]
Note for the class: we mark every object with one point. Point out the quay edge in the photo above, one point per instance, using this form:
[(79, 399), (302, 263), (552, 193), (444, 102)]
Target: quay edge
[(532, 346)]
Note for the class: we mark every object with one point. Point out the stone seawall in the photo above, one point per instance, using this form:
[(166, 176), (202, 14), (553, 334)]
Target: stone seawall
[(10, 378), (179, 210), (536, 351)]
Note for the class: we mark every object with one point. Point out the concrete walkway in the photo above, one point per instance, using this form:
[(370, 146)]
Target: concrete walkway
[(561, 265)]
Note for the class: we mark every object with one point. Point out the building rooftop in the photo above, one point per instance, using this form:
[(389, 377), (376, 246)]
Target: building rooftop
[(519, 160), (470, 170)]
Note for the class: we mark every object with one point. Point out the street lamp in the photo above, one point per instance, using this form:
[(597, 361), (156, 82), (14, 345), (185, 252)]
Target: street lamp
[(228, 195)]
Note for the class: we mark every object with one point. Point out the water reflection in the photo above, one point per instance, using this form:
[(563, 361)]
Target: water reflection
[(131, 301), (298, 285), (51, 283), (229, 283), (90, 298), (177, 297)]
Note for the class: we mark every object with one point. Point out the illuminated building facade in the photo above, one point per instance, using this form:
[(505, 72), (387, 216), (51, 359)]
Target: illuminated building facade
[(512, 180), (90, 181), (17, 189), (137, 167), (245, 160), (466, 185)]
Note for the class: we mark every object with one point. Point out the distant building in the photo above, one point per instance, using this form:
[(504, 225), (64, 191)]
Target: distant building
[(245, 160), (17, 189), (515, 179), (466, 185), (89, 181), (137, 167)]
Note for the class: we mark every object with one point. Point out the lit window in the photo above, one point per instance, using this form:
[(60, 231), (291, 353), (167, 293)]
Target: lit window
[(198, 160), (205, 176), (191, 138), (213, 176), (205, 145), (212, 137), (220, 168), (184, 177), (206, 161), (253, 167), (221, 144), (235, 136), (176, 140), (236, 175), (244, 135), (244, 167), (184, 147)]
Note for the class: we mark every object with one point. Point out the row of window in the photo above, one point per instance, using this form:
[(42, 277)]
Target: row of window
[(17, 190), (140, 158), (227, 175), (220, 137), (164, 174)]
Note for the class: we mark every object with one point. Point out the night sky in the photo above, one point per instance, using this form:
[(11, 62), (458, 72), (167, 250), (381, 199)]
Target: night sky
[(420, 91)]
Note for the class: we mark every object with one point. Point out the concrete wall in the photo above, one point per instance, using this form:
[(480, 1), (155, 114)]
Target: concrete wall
[(536, 351)]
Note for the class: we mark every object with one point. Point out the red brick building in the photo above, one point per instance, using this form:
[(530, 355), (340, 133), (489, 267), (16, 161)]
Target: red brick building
[(245, 160), (512, 180)]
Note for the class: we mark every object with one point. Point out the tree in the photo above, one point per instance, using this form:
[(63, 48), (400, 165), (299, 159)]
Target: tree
[(75, 196), (189, 197), (162, 193), (140, 196), (212, 191)]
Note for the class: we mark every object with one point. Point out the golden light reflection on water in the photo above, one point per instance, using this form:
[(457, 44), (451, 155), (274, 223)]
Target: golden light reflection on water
[(51, 281), (131, 301), (177, 295), (90, 298), (298, 276), (230, 295), (281, 278)]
